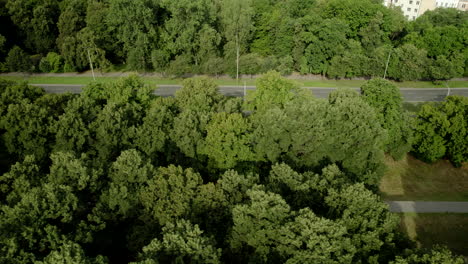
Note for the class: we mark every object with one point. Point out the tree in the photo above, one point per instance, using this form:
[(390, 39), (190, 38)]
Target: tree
[(272, 90), (38, 221), (129, 89), (53, 62), (19, 180), (429, 133), (408, 63), (114, 129), (189, 132), (317, 240), (71, 252), (37, 22), (257, 225), (153, 135), (190, 29), (323, 39), (27, 129), (433, 256), (357, 143), (2, 44), (199, 94), (13, 93), (368, 222), (236, 17), (72, 130), (444, 69), (127, 176), (456, 109), (136, 25), (227, 141), (182, 242), (17, 60), (386, 99), (169, 193)]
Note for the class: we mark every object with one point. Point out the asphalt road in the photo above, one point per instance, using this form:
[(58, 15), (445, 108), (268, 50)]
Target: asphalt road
[(427, 207), (409, 94)]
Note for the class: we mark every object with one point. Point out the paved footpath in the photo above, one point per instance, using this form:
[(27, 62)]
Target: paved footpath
[(427, 207)]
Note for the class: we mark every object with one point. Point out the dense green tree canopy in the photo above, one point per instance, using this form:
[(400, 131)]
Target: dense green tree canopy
[(116, 175), (338, 39)]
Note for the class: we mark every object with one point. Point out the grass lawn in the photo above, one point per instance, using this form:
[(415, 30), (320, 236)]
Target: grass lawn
[(428, 230), (225, 81), (412, 179)]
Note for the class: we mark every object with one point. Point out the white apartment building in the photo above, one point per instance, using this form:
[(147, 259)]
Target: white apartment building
[(463, 5), (447, 3), (414, 8)]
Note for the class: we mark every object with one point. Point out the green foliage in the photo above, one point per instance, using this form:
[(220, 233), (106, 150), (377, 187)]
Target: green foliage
[(180, 66), (257, 225), (114, 129), (71, 252), (357, 137), (429, 134), (182, 242), (27, 129), (353, 206), (135, 27), (408, 63), (53, 62), (129, 89), (227, 141), (115, 174), (12, 93), (17, 60), (272, 90), (127, 175), (386, 99), (72, 131), (154, 133), (167, 196), (436, 255), (2, 43), (250, 64), (441, 131), (200, 94)]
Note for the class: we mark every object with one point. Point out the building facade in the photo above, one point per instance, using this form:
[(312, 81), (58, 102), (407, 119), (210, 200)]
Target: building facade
[(447, 3), (412, 9), (463, 5)]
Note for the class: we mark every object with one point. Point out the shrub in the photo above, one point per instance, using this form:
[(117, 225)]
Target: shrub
[(18, 60), (180, 66), (53, 62)]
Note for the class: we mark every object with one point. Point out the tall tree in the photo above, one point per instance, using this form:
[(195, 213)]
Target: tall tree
[(190, 29), (136, 24), (182, 242), (386, 98), (236, 17), (227, 141)]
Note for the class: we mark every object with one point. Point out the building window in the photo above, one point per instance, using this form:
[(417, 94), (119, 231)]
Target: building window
[(446, 4), (407, 16), (408, 9), (463, 6), (415, 10), (417, 2), (414, 17), (410, 2), (396, 1)]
